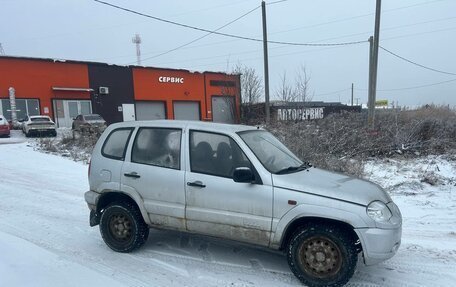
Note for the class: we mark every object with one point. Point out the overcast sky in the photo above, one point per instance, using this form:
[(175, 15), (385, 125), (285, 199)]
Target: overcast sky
[(420, 30)]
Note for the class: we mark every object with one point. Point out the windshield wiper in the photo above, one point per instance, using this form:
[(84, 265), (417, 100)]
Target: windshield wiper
[(290, 169)]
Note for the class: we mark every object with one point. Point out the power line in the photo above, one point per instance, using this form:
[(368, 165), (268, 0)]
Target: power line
[(414, 87), (225, 34), (275, 2), (207, 8), (354, 17), (417, 87), (390, 28), (332, 93), (417, 34), (416, 64), (204, 36), (325, 39)]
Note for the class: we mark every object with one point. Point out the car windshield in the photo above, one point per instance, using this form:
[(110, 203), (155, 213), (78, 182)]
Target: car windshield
[(274, 155), (93, 118), (43, 119)]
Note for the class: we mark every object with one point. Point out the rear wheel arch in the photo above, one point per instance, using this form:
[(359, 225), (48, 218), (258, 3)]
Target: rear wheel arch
[(109, 197)]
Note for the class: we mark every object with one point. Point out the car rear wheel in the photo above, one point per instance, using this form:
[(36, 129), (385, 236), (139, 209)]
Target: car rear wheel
[(122, 227), (322, 255)]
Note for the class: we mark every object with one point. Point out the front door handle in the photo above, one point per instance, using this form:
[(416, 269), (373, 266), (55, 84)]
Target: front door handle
[(196, 184), (132, 174)]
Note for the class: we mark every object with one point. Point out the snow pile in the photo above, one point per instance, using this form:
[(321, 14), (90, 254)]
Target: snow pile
[(413, 176)]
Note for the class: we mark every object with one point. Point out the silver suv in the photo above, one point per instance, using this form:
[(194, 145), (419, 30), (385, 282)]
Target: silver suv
[(240, 183)]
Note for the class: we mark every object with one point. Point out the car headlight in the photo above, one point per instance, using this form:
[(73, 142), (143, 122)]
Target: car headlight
[(378, 211)]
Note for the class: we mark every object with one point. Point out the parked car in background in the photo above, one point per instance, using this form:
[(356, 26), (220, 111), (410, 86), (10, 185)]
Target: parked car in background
[(89, 123), (4, 127), (38, 125), (240, 183)]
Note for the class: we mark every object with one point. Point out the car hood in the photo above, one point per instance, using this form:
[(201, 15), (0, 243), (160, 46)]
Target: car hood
[(332, 185)]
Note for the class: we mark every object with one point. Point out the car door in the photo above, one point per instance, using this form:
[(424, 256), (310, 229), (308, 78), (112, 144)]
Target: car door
[(106, 166), (153, 169), (218, 206)]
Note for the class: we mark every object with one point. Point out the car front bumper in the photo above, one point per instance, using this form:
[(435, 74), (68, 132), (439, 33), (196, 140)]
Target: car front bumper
[(41, 130), (379, 244)]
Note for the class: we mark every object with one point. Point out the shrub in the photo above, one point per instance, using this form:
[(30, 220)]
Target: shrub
[(340, 142)]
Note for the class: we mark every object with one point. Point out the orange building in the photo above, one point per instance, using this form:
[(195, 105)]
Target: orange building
[(64, 89)]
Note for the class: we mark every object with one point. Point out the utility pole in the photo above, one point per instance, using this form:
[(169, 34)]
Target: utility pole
[(374, 67), (137, 40), (266, 65), (2, 52), (352, 94), (370, 101)]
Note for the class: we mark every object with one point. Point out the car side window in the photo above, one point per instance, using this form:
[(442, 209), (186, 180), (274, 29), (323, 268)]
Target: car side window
[(116, 143), (215, 154), (157, 146)]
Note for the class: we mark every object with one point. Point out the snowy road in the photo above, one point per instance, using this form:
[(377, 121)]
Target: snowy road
[(45, 239)]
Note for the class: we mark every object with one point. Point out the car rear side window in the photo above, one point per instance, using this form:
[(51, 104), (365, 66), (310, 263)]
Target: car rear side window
[(43, 119), (157, 146), (115, 145)]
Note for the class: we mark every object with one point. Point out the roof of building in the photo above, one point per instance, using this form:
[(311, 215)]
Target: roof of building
[(56, 60)]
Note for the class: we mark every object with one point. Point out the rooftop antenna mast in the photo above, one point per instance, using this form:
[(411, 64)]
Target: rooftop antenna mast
[(137, 40)]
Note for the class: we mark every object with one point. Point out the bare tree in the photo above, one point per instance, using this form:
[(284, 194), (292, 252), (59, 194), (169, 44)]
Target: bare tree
[(299, 91), (285, 92), (251, 87), (302, 85)]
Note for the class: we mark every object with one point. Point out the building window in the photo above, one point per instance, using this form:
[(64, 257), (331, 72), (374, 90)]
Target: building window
[(216, 83), (24, 108)]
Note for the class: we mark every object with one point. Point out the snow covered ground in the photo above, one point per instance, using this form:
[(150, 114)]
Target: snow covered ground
[(45, 239)]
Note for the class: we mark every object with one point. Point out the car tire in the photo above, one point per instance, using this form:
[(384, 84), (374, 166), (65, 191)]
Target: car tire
[(322, 255), (122, 227), (27, 134)]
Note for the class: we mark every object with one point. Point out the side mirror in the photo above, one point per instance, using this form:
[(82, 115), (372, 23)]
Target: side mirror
[(243, 174)]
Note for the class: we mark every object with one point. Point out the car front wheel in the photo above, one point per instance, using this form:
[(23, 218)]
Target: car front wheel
[(322, 255), (122, 227)]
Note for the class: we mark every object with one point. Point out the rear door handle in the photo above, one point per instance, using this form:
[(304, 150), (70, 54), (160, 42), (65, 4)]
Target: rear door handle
[(196, 184), (132, 174)]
